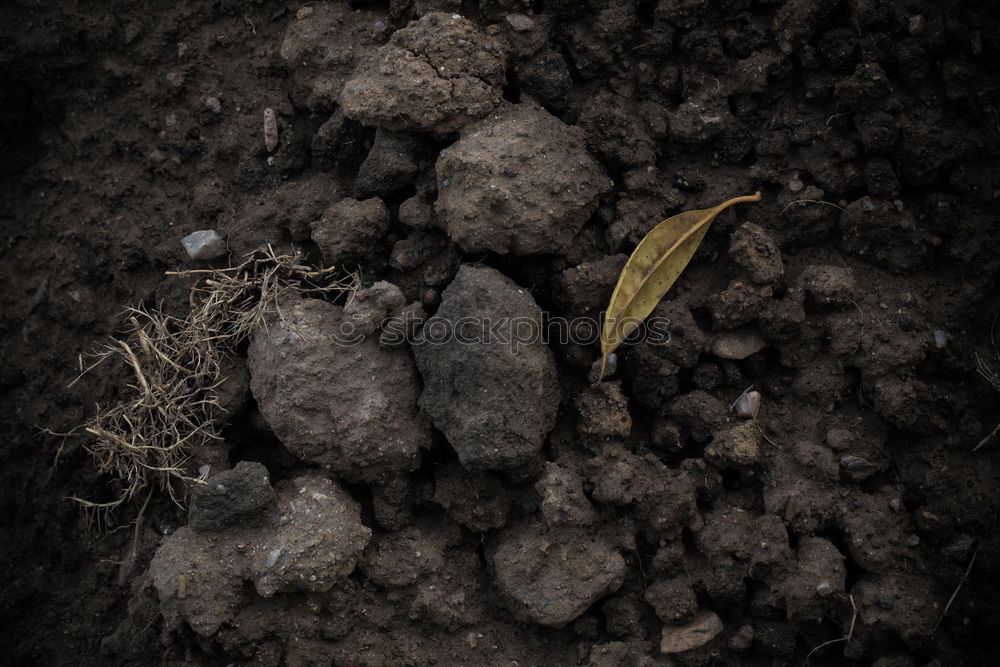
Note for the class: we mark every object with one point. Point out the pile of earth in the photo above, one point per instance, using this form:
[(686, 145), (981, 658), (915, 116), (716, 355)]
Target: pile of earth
[(791, 476)]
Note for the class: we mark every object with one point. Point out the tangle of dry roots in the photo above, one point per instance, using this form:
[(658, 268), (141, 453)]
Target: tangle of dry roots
[(170, 406)]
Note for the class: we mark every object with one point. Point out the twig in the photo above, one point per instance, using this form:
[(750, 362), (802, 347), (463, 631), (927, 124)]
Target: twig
[(985, 440), (810, 201), (951, 600), (845, 638)]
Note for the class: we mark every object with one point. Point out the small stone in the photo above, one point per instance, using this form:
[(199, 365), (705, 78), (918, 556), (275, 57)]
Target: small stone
[(472, 640), (305, 12), (703, 629), (794, 183), (520, 22), (940, 339), (214, 104), (204, 244), (738, 344), (748, 405), (270, 130), (824, 589), (857, 468)]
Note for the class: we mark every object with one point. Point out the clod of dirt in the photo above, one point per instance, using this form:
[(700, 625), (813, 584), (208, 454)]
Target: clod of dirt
[(757, 544), (403, 557), (311, 539), (333, 398), (479, 501), (230, 497), (816, 582), (437, 73), (349, 228), (204, 245), (321, 47), (879, 232), (546, 77), (369, 307), (735, 447), (828, 284), (563, 501), (603, 413), (703, 629), (390, 165), (586, 288), (902, 603), (700, 412), (673, 600), (519, 182), (491, 388), (664, 499), (552, 575), (752, 248)]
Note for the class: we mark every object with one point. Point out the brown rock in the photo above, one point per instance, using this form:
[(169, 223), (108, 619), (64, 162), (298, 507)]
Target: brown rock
[(680, 638)]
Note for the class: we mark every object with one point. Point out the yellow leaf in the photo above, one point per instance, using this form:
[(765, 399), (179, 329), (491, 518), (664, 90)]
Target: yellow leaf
[(652, 269)]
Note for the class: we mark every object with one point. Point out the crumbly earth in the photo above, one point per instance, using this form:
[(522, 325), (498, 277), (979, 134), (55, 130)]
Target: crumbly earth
[(380, 505)]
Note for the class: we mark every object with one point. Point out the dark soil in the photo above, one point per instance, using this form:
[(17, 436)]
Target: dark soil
[(474, 505)]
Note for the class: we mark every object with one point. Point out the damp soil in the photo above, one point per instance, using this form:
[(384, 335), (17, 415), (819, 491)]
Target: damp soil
[(474, 505)]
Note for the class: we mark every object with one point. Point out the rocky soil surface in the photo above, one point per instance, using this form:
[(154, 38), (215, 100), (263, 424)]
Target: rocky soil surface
[(793, 476)]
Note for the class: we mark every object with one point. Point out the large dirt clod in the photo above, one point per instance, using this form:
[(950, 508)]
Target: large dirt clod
[(553, 575), (489, 381), (436, 74), (334, 399), (518, 182)]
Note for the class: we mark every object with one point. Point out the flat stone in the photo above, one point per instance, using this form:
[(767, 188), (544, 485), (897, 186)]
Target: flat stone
[(738, 344), (680, 638)]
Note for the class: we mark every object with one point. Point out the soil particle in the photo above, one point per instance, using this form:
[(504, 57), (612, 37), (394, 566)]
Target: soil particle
[(829, 285), (700, 412), (563, 500), (553, 575), (518, 182), (494, 398), (349, 228), (391, 165), (736, 447), (480, 501), (231, 497), (603, 414), (368, 307), (403, 557), (752, 248), (546, 77), (437, 73), (816, 582), (351, 408), (673, 600)]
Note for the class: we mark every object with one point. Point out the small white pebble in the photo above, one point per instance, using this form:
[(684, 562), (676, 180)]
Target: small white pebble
[(204, 244)]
